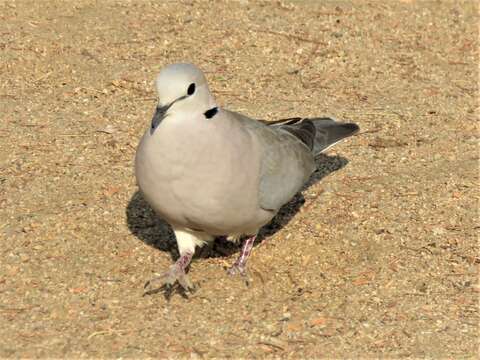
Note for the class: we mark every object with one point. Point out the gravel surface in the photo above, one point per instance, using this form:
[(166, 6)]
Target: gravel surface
[(378, 257)]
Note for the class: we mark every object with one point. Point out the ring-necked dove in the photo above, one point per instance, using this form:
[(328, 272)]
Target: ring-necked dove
[(212, 172)]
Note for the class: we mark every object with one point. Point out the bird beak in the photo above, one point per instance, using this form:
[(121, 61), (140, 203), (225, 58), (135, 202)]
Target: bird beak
[(160, 114)]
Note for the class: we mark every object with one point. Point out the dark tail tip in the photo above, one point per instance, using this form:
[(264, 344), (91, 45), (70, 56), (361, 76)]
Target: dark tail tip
[(352, 128), (330, 132)]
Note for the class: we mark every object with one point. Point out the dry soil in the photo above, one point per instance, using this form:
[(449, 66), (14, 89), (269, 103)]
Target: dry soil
[(378, 259)]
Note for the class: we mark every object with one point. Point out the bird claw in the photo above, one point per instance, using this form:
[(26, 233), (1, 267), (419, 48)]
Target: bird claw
[(167, 282), (237, 269)]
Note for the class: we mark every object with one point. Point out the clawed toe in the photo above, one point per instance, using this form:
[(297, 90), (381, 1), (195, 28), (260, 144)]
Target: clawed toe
[(237, 269), (168, 282)]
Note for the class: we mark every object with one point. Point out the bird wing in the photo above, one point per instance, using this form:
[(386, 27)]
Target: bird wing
[(286, 162)]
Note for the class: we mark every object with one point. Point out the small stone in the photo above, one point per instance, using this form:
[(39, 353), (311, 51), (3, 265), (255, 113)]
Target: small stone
[(438, 230), (109, 129)]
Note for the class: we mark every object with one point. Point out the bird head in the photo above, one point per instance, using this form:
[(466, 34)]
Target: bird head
[(181, 87)]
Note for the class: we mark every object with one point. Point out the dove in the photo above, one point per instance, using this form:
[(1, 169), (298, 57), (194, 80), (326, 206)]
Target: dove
[(211, 172)]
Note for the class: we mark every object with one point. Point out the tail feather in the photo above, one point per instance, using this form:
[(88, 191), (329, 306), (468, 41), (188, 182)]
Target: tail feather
[(304, 131), (318, 134), (329, 132)]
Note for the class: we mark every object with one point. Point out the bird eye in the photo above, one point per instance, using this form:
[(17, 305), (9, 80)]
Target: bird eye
[(191, 89)]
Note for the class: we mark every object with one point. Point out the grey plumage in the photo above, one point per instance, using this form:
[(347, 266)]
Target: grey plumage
[(209, 171)]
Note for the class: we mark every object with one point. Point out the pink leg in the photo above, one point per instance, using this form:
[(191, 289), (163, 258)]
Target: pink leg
[(176, 272), (183, 261), (239, 266)]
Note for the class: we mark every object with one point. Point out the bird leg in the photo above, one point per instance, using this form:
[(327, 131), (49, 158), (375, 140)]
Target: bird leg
[(239, 266), (175, 273)]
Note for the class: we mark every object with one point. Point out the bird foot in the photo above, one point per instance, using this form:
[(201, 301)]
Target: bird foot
[(167, 281), (240, 265), (237, 269)]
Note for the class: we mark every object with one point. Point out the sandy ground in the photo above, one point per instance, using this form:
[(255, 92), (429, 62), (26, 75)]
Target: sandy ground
[(379, 258)]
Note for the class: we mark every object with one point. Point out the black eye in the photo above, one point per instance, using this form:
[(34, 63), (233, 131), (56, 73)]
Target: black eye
[(191, 89)]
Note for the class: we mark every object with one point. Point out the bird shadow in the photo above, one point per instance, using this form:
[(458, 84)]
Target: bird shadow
[(153, 231)]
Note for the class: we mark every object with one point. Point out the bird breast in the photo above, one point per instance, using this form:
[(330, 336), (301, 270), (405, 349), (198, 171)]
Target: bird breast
[(199, 177)]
